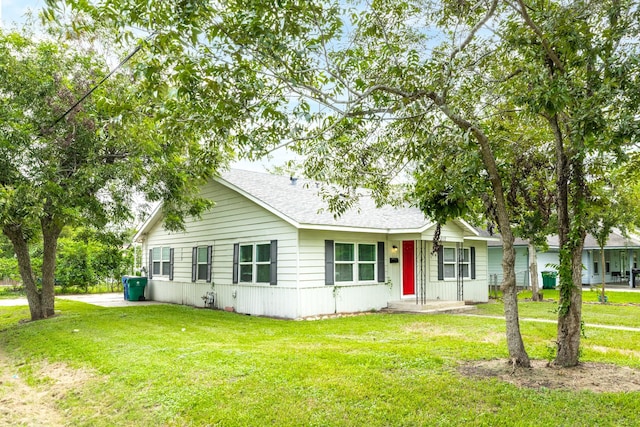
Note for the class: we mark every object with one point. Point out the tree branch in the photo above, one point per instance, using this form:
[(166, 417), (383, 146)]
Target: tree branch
[(545, 43)]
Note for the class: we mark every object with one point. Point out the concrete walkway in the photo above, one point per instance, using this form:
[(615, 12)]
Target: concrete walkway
[(102, 300), (555, 322)]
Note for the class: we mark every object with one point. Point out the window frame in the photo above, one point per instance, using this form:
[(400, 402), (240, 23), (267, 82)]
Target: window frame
[(199, 263), (465, 261), (356, 262), (254, 263), (158, 257), (461, 257), (453, 264)]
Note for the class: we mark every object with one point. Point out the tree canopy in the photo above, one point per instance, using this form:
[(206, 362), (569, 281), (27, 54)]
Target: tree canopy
[(82, 165), (486, 105)]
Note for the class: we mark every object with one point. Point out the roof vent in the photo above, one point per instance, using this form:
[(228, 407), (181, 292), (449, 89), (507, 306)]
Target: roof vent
[(293, 180)]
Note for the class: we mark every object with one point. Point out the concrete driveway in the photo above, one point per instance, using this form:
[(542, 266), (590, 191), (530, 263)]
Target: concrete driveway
[(102, 300)]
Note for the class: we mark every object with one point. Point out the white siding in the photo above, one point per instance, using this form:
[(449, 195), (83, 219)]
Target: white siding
[(521, 265), (234, 219), (318, 298), (477, 290), (301, 290), (449, 232), (473, 290)]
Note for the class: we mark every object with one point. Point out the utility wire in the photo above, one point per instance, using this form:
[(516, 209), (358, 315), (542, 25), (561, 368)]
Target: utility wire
[(104, 79)]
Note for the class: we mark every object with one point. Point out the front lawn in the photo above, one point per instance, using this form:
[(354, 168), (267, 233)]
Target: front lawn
[(623, 308), (176, 365)]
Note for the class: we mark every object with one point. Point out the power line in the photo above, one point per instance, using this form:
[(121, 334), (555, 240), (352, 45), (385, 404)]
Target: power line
[(104, 79)]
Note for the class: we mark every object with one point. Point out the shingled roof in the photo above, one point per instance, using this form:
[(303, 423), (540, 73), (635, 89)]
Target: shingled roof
[(616, 241), (299, 202)]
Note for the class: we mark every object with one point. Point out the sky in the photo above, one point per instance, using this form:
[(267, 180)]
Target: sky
[(12, 12)]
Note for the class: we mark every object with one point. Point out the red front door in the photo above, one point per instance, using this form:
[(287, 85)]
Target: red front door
[(408, 268)]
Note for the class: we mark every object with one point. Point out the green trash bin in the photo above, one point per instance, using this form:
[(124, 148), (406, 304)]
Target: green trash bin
[(136, 288), (549, 279)]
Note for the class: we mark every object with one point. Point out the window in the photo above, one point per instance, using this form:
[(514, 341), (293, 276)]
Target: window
[(595, 267), (449, 262), (263, 263), (346, 264), (253, 263), (161, 261), (201, 263), (366, 262), (454, 262), (464, 263), (246, 263)]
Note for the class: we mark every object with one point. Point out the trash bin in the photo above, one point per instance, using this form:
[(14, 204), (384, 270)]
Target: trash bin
[(125, 287), (135, 286), (549, 279)]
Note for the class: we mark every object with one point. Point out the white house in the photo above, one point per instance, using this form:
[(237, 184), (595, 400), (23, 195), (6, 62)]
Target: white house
[(269, 247), (620, 259)]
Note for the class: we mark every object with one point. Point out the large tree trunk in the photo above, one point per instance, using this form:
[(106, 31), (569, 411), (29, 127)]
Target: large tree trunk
[(570, 318), (602, 269), (571, 243), (21, 247), (515, 345), (536, 294), (50, 233)]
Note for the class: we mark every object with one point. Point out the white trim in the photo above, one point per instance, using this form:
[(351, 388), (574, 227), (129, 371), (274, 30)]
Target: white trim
[(467, 228)]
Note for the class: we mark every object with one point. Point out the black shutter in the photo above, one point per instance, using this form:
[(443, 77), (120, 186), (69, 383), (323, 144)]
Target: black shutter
[(150, 263), (194, 264), (328, 263), (472, 251), (209, 259), (171, 264), (236, 255), (440, 263), (381, 262), (273, 272)]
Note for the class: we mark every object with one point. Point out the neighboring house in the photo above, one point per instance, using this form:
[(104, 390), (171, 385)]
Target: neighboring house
[(269, 247), (621, 256)]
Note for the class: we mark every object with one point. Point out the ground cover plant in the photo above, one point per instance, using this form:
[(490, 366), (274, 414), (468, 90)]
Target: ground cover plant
[(176, 365)]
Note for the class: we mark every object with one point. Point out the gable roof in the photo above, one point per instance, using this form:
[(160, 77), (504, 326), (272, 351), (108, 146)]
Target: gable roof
[(299, 203), (616, 241)]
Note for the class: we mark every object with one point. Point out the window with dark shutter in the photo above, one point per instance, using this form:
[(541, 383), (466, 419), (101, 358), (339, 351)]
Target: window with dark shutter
[(236, 254), (209, 262), (473, 262), (381, 262), (194, 264), (328, 263), (150, 263), (171, 264), (273, 280), (440, 263)]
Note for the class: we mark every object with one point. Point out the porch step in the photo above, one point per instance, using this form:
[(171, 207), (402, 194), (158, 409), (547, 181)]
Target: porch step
[(408, 306)]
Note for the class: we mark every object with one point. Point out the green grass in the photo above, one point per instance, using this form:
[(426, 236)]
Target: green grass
[(176, 365), (623, 308)]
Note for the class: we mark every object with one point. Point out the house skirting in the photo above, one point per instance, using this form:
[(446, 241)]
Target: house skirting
[(274, 301)]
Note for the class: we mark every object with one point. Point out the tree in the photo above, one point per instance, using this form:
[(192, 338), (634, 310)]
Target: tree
[(579, 62), (68, 164), (445, 91), (377, 90)]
